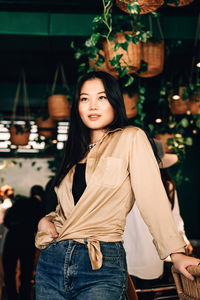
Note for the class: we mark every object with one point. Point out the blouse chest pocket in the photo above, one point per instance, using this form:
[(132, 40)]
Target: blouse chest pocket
[(112, 171)]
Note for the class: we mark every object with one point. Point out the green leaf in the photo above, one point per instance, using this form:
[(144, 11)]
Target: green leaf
[(117, 46), (97, 19), (198, 123), (124, 46), (115, 60), (124, 71), (163, 91), (151, 127), (142, 90), (72, 45), (129, 81), (77, 55), (155, 14), (188, 141), (185, 94), (184, 123), (129, 37), (33, 163), (92, 41), (133, 8), (81, 67)]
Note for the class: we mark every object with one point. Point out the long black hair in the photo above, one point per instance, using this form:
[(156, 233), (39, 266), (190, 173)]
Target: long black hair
[(79, 137), (169, 185)]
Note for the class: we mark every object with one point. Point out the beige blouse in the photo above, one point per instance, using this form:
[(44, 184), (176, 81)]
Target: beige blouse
[(120, 170)]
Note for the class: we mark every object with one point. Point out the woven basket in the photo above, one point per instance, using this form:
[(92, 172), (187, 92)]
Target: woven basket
[(153, 55), (131, 57), (104, 67), (181, 3), (164, 138), (194, 104), (59, 108), (19, 138), (130, 102), (46, 127), (58, 105), (188, 289), (146, 6)]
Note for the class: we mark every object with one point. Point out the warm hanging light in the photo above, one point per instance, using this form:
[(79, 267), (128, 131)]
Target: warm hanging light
[(158, 120), (175, 95)]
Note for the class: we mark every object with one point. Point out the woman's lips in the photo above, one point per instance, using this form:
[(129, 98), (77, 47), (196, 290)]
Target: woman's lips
[(94, 117)]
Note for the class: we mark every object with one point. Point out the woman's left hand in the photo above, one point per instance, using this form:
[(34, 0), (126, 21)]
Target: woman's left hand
[(181, 262)]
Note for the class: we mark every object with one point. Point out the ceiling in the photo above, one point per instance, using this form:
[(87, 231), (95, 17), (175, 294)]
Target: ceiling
[(39, 49)]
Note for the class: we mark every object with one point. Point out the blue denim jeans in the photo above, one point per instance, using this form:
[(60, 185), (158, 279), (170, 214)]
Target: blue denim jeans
[(64, 272)]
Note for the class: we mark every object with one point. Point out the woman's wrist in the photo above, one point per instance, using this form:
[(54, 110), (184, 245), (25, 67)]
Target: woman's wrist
[(175, 254)]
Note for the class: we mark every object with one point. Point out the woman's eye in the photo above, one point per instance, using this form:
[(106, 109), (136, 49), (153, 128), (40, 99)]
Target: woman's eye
[(83, 99), (102, 97)]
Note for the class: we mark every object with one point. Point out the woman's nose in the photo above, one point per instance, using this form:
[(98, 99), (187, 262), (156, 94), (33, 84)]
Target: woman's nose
[(93, 105)]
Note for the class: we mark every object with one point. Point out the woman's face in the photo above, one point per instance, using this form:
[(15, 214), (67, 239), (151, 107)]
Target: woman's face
[(94, 108)]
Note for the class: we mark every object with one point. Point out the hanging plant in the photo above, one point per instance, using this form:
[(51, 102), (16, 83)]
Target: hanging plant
[(58, 104), (178, 2), (139, 6), (153, 50), (114, 45), (19, 133)]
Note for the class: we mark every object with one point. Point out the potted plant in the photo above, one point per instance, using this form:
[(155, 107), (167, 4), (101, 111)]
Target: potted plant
[(20, 131), (139, 6), (178, 2), (115, 41), (58, 103)]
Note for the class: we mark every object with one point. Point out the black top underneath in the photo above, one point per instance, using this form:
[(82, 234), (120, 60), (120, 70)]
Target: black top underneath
[(79, 183)]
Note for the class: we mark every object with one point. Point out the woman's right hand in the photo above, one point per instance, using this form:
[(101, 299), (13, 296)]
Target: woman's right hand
[(46, 225)]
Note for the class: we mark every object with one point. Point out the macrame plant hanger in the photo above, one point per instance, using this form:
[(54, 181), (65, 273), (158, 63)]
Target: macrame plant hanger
[(19, 134)]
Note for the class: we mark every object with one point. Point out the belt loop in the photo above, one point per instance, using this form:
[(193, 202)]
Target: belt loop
[(85, 241)]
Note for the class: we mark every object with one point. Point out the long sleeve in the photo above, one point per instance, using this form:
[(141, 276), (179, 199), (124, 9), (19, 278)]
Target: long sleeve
[(151, 197)]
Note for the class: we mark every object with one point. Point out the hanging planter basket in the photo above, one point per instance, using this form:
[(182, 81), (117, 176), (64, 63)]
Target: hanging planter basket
[(194, 104), (19, 134), (46, 127), (130, 105), (179, 107), (164, 138), (153, 55), (146, 6), (181, 3), (130, 58), (104, 67), (19, 138), (58, 105)]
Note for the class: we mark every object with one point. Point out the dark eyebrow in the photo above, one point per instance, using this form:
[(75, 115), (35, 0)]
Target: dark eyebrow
[(97, 93)]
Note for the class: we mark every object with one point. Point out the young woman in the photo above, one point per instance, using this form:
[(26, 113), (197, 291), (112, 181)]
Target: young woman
[(106, 167)]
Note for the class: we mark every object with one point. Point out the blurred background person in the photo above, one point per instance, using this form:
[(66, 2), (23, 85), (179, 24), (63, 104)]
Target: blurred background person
[(21, 220), (6, 201), (144, 265)]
